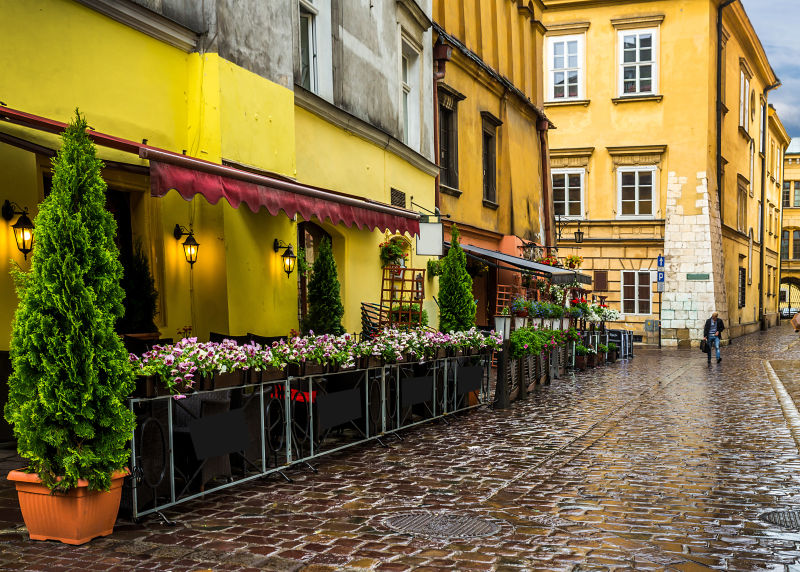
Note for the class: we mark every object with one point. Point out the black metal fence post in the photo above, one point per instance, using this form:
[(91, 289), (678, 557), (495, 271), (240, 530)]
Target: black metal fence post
[(502, 399)]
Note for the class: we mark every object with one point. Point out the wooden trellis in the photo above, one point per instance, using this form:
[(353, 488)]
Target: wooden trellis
[(402, 295)]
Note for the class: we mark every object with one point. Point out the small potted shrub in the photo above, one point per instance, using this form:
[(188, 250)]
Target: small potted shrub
[(612, 352), (602, 350), (520, 308), (71, 373), (581, 357), (591, 356)]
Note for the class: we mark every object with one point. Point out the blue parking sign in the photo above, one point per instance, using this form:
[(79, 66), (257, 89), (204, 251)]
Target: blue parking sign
[(660, 276)]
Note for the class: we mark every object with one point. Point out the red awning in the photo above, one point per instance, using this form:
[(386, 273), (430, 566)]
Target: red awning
[(191, 176)]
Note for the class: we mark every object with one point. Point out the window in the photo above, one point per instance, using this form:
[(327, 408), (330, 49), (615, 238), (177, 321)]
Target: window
[(635, 191), (600, 281), (742, 286), (448, 139), (796, 245), (752, 167), (760, 234), (744, 100), (785, 245), (308, 49), (568, 192), (741, 206), (637, 58), (762, 129), (489, 160), (565, 67), (796, 193), (636, 289), (786, 196), (409, 95)]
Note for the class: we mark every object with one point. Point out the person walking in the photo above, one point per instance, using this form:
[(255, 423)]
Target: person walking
[(712, 333)]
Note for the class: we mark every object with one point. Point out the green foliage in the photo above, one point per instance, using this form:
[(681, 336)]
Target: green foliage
[(71, 373), (456, 302), (612, 347), (141, 296), (399, 314), (434, 267), (581, 350), (602, 348), (303, 267), (325, 309), (391, 252), (530, 341)]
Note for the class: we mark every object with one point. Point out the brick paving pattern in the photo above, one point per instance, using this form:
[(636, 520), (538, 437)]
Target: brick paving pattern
[(661, 462)]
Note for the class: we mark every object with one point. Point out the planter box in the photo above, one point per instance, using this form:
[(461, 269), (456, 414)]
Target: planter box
[(611, 357), (580, 362), (74, 517)]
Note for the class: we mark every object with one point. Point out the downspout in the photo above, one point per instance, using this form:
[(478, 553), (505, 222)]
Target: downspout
[(441, 55), (542, 125), (763, 143), (718, 107)]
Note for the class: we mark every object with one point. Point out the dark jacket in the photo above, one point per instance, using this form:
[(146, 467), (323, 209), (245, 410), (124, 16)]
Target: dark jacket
[(720, 327)]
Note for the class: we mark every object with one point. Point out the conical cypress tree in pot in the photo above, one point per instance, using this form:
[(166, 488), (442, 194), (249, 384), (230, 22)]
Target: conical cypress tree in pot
[(325, 309), (71, 373), (456, 302)]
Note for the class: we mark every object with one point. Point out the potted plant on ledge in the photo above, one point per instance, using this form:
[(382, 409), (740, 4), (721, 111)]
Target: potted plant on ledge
[(71, 373), (581, 356), (611, 357)]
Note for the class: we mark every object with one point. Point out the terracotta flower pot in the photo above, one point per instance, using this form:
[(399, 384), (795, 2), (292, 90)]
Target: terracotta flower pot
[(580, 362), (74, 517), (612, 357)]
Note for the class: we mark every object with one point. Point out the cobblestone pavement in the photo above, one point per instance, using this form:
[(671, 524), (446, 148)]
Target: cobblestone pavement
[(661, 462)]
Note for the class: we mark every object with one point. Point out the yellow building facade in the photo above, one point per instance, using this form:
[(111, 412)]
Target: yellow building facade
[(141, 77), (790, 231), (643, 163), (492, 132)]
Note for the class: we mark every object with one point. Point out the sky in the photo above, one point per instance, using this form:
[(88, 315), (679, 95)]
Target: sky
[(777, 23)]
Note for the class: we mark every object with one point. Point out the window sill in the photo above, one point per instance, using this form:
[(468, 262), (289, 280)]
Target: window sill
[(743, 132), (450, 191), (636, 217), (628, 98), (490, 204), (564, 103)]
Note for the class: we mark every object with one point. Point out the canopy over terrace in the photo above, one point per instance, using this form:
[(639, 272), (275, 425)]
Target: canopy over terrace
[(190, 176), (517, 264)]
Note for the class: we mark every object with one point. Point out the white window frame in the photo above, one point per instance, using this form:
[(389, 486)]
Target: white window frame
[(410, 94), (762, 131), (310, 12), (744, 100), (566, 173), (581, 67), (654, 199), (637, 284), (621, 62)]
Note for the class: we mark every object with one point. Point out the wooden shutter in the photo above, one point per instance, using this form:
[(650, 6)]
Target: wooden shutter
[(601, 280)]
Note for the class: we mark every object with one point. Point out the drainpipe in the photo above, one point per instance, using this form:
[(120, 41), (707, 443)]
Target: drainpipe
[(549, 217), (763, 143), (719, 102), (441, 55)]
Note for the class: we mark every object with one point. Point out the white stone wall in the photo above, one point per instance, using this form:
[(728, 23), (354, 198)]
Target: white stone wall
[(692, 244)]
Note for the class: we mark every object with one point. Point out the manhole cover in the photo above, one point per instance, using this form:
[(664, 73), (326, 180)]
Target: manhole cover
[(785, 518), (441, 525)]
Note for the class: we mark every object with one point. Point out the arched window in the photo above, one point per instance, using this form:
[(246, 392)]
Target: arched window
[(785, 245), (309, 237)]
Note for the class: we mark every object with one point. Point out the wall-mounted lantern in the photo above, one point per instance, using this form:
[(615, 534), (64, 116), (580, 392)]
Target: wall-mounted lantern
[(561, 223), (288, 256), (579, 234), (190, 245), (23, 228)]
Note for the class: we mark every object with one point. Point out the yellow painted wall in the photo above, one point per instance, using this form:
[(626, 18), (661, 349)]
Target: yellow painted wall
[(508, 40), (330, 157), (790, 265), (133, 86)]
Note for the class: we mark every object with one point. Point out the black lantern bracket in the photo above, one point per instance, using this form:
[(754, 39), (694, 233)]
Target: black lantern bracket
[(289, 257), (23, 228), (432, 214), (190, 245), (562, 222)]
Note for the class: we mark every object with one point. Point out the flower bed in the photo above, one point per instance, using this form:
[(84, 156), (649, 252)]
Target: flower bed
[(179, 366)]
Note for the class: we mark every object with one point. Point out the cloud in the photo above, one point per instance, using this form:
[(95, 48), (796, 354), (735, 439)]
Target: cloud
[(775, 22)]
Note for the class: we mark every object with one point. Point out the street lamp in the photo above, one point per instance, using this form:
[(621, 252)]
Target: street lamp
[(288, 256), (190, 245), (562, 222), (23, 228)]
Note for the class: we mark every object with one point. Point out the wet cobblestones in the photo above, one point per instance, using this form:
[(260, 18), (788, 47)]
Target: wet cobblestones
[(662, 462)]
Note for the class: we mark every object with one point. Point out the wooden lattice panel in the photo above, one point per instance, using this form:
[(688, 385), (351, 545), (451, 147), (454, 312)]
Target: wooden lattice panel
[(402, 295)]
